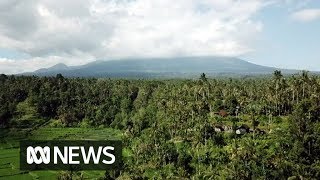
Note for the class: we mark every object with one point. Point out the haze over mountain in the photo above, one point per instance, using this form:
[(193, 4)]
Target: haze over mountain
[(160, 67)]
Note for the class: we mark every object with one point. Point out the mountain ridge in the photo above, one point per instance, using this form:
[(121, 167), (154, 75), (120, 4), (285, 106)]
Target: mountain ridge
[(161, 67)]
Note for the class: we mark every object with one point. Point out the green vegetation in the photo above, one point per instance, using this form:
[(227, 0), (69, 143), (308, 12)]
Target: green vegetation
[(249, 128)]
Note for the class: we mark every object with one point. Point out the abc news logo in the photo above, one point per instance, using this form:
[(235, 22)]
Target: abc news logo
[(70, 155)]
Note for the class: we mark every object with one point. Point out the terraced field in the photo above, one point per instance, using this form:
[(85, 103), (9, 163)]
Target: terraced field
[(9, 148)]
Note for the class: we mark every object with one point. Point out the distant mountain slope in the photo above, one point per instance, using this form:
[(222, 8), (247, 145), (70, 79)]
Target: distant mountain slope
[(57, 67), (160, 67)]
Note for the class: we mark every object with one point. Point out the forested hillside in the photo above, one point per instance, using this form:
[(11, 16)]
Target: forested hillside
[(181, 129)]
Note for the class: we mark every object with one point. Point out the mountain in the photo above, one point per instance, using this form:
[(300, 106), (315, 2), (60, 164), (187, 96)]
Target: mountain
[(57, 67), (160, 67)]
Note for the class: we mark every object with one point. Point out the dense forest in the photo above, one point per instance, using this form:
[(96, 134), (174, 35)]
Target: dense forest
[(239, 128)]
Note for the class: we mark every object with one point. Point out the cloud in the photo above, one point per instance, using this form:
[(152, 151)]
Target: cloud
[(306, 15), (294, 5), (78, 29), (15, 66)]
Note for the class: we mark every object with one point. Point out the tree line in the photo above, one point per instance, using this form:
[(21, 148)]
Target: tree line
[(169, 125)]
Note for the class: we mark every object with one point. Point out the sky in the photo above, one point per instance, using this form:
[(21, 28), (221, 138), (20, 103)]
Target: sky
[(41, 33)]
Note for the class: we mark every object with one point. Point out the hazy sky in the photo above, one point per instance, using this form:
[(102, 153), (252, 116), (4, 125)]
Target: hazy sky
[(42, 33)]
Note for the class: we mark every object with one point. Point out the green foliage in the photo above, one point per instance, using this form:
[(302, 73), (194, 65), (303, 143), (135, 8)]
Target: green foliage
[(168, 126)]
